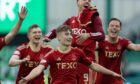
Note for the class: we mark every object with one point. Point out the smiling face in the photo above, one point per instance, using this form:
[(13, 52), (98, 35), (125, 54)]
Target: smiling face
[(114, 28), (64, 35), (65, 38), (35, 35)]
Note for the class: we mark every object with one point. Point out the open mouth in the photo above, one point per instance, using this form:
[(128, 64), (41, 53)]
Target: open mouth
[(114, 31), (86, 5), (69, 40), (37, 38)]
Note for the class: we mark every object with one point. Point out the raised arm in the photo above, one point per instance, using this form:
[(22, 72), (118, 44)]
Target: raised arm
[(34, 73), (16, 28), (98, 35), (51, 35), (91, 18)]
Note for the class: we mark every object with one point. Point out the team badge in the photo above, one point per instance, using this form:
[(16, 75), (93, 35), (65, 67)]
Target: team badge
[(119, 47)]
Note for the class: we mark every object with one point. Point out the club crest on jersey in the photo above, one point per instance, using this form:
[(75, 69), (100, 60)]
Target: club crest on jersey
[(119, 47), (28, 56), (73, 58)]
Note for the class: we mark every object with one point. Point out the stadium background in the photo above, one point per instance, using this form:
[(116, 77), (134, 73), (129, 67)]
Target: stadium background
[(51, 13)]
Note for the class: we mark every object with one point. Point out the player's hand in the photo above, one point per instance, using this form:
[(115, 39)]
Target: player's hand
[(118, 76), (45, 39), (82, 37), (23, 81), (25, 59), (22, 13)]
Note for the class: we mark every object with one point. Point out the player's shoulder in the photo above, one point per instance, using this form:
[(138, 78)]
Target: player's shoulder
[(23, 46), (105, 40), (76, 49), (50, 53), (72, 18), (47, 46), (123, 38), (1, 38)]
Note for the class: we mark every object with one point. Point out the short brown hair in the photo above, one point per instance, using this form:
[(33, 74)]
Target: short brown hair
[(63, 28), (33, 26), (115, 19)]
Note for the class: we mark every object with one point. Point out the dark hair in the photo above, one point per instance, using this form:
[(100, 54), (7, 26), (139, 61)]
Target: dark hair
[(33, 26), (116, 19), (63, 28)]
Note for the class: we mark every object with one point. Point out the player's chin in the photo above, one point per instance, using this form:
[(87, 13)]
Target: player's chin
[(37, 42), (68, 44), (114, 36)]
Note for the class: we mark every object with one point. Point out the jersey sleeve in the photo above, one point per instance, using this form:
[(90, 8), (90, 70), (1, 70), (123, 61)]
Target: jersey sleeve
[(51, 35), (2, 43), (20, 51), (83, 59), (88, 16), (85, 15), (126, 42), (68, 21), (97, 27), (48, 59)]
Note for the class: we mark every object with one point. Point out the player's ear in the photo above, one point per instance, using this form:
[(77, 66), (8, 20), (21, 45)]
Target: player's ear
[(28, 36), (107, 29), (58, 36)]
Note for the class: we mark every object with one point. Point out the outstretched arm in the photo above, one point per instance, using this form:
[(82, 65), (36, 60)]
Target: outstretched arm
[(101, 69), (16, 28), (34, 73), (51, 35), (135, 47)]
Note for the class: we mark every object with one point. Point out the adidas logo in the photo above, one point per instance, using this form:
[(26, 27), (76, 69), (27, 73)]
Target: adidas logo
[(58, 59)]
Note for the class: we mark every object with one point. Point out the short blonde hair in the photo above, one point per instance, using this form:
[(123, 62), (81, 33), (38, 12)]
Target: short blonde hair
[(63, 28), (32, 27)]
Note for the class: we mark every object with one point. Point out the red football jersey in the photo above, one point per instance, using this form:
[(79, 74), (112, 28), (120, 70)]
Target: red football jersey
[(2, 43), (63, 67), (110, 56), (94, 28), (24, 51)]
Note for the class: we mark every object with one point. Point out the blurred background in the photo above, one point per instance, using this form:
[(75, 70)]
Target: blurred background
[(51, 13)]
